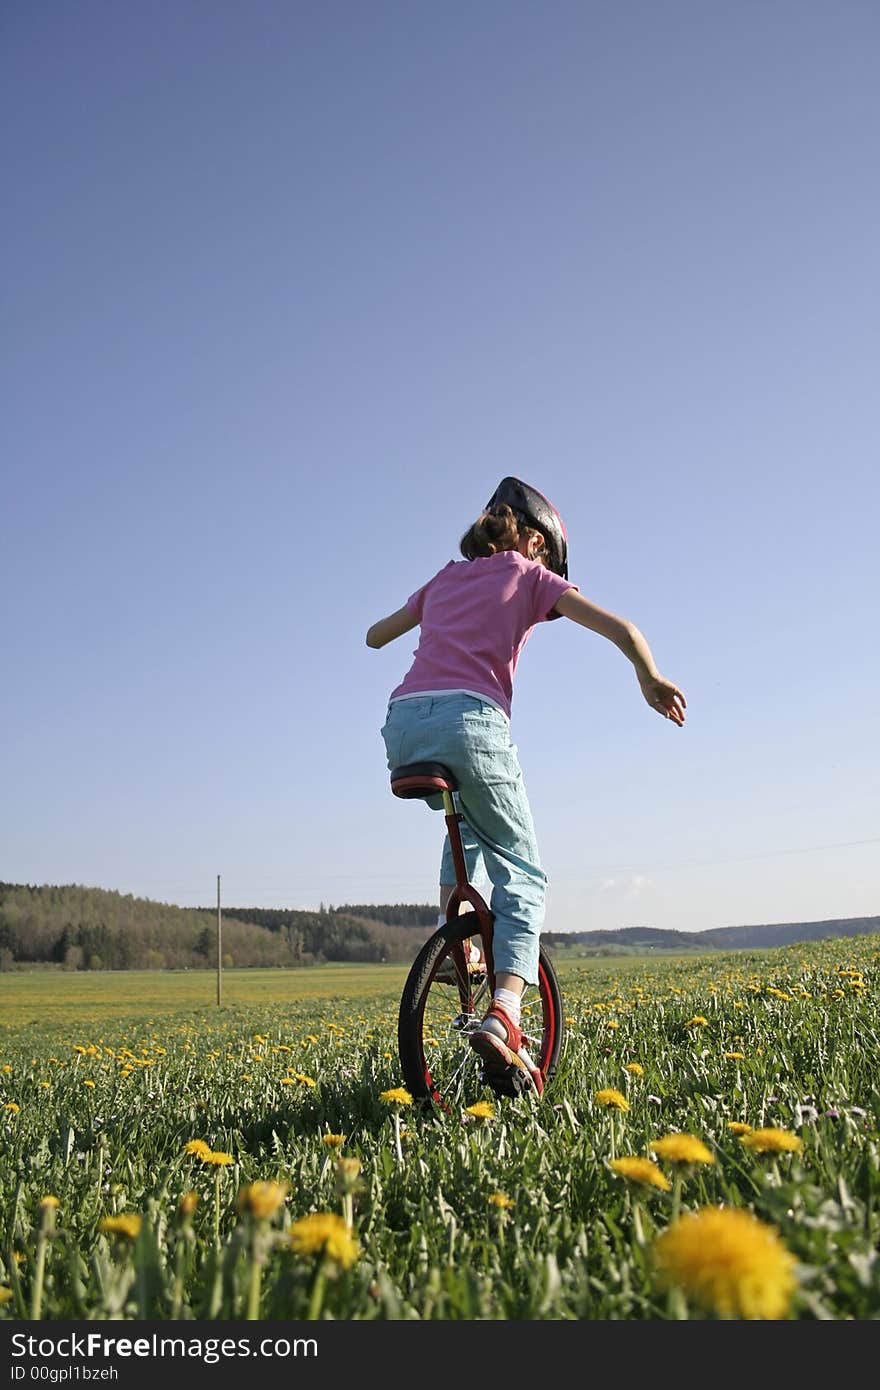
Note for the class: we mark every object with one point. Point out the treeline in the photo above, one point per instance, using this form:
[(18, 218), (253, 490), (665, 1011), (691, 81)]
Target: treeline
[(759, 937), (97, 929), (395, 914)]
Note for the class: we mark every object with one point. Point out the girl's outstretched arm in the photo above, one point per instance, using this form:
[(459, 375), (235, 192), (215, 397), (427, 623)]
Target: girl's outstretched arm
[(386, 629), (660, 693)]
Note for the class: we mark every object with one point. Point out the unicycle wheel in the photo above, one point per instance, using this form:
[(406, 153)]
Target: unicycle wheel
[(435, 1021)]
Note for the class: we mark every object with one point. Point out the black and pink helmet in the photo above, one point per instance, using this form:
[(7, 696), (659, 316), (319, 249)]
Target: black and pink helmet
[(531, 507)]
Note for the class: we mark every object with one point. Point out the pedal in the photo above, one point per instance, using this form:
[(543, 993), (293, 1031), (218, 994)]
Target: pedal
[(509, 1081)]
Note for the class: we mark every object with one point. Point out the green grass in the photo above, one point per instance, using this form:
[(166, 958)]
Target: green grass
[(57, 994), (151, 993), (105, 1079)]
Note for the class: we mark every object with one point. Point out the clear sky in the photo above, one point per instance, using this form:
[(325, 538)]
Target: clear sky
[(288, 288)]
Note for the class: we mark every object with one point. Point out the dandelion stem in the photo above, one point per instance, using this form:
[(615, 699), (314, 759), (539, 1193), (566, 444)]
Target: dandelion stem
[(217, 1208), (316, 1297), (47, 1224), (177, 1294), (397, 1145), (676, 1193), (100, 1169), (638, 1228), (253, 1305), (677, 1305)]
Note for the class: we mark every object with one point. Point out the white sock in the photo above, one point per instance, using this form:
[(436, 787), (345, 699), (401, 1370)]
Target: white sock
[(511, 1003)]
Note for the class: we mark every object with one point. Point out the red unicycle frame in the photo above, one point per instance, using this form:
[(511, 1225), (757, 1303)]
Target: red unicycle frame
[(446, 993)]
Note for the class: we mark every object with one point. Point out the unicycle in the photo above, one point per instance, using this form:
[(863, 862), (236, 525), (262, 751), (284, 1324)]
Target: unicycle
[(452, 980)]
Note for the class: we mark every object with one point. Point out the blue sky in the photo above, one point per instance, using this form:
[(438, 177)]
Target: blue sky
[(289, 287)]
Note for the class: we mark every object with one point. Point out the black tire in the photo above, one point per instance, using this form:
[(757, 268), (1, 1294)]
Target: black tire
[(435, 1020)]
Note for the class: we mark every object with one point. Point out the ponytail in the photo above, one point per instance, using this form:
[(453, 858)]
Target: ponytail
[(497, 529)]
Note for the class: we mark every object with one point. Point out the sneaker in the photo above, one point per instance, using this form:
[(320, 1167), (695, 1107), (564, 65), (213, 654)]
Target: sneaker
[(501, 1054)]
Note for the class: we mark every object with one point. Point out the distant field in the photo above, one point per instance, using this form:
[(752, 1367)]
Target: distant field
[(45, 995), (54, 995)]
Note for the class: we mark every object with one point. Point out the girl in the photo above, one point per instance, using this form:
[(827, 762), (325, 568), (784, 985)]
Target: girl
[(453, 707)]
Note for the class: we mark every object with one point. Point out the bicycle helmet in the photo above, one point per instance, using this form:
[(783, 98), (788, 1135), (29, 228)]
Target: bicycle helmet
[(532, 508)]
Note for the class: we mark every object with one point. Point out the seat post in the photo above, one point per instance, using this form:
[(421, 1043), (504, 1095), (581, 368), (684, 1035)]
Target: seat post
[(453, 819)]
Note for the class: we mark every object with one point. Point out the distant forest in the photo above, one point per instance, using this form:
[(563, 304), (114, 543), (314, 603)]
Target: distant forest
[(97, 929)]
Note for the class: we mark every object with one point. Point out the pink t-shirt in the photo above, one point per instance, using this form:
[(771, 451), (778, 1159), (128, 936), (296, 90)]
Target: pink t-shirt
[(476, 616)]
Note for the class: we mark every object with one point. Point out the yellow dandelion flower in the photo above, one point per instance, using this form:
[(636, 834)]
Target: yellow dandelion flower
[(735, 1056), (262, 1199), (49, 1201), (634, 1069), (641, 1170), (728, 1262), (79, 1049), (611, 1099), (6, 1069), (197, 1147), (481, 1110), (739, 1127), (698, 1021), (500, 1199), (772, 1141), (611, 1023), (396, 1096), (325, 1233), (217, 1160), (778, 993), (12, 1106), (127, 1224), (303, 1079), (89, 1083), (333, 1141), (681, 1148)]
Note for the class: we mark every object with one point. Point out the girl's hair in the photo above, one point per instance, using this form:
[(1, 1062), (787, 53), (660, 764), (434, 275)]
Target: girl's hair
[(497, 529)]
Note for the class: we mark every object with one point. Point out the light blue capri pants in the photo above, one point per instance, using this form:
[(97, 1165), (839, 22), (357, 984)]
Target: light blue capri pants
[(472, 738)]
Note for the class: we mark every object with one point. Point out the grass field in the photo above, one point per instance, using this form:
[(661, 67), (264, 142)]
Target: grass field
[(709, 1148), (28, 996), (60, 994)]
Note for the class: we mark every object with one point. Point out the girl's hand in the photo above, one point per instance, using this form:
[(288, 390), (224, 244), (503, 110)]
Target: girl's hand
[(664, 697)]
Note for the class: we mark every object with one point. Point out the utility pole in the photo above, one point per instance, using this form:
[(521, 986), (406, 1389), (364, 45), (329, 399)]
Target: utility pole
[(219, 933)]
